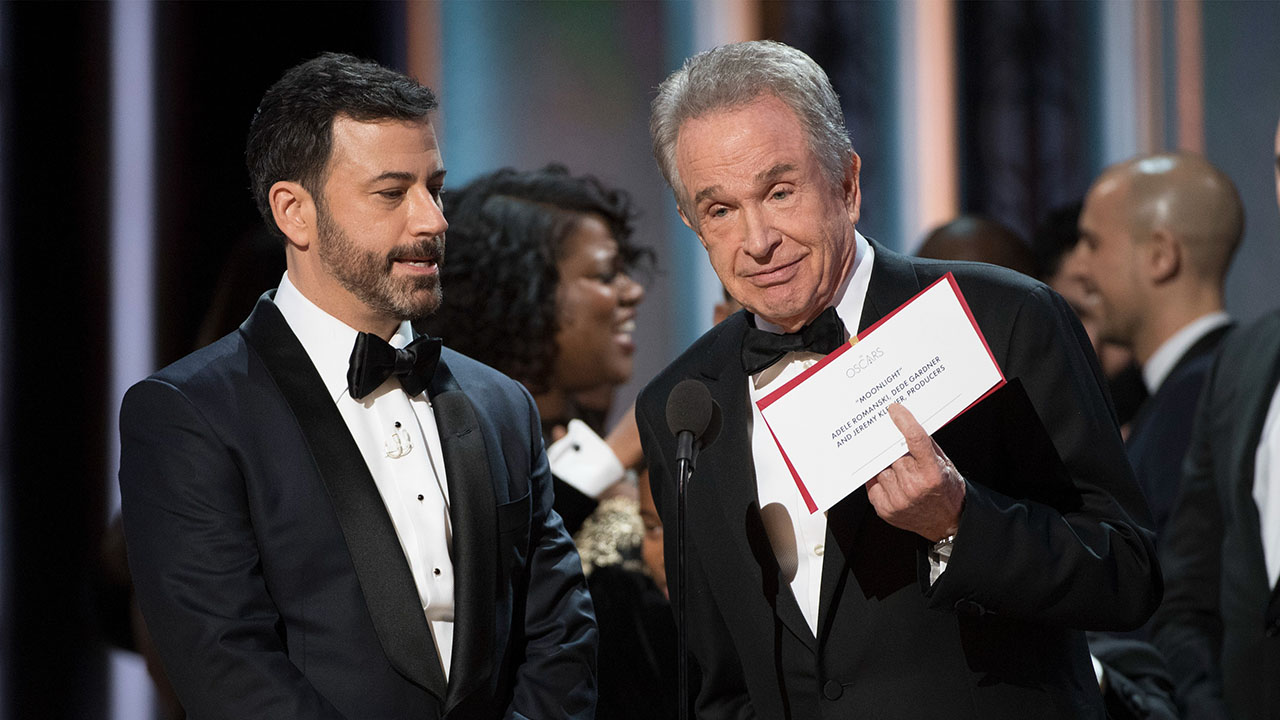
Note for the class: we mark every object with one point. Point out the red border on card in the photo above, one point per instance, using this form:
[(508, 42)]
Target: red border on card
[(772, 397), (804, 491)]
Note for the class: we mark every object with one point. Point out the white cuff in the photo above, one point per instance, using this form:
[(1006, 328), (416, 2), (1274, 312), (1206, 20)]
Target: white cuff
[(939, 555), (584, 460)]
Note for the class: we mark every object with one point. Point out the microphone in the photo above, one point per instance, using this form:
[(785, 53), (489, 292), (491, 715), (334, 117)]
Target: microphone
[(694, 418)]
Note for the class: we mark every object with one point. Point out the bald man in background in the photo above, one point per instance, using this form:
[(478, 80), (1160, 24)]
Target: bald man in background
[(1157, 236)]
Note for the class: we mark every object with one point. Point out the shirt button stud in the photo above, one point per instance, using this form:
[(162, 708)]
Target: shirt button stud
[(819, 549)]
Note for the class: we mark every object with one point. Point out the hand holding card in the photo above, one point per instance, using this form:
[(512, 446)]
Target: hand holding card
[(921, 492)]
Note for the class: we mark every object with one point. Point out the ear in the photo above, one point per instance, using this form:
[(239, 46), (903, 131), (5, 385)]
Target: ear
[(294, 211), (852, 189), (1162, 256)]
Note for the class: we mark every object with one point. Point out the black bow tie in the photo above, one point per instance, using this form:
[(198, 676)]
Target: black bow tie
[(761, 348), (373, 360)]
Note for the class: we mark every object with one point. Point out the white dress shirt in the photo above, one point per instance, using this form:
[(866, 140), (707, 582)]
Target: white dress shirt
[(1266, 488), (799, 538), (400, 443)]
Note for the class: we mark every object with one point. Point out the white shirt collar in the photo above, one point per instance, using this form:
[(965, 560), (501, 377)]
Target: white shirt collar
[(1162, 361), (849, 298), (327, 340)]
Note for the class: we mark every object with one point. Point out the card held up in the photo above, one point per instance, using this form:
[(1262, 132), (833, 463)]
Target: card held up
[(831, 422)]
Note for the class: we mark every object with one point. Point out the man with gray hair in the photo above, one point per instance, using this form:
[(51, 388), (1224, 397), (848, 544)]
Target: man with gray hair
[(957, 582)]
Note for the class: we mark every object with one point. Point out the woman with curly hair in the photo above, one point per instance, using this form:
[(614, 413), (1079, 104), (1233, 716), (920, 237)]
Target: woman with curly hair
[(537, 284)]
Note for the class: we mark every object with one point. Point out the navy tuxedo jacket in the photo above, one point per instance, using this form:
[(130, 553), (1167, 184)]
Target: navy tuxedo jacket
[(1219, 626), (272, 579), (1052, 540), (1161, 430)]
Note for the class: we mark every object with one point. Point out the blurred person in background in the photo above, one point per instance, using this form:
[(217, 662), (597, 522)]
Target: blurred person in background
[(539, 285), (979, 239), (1055, 244), (1219, 624), (1157, 234), (637, 661)]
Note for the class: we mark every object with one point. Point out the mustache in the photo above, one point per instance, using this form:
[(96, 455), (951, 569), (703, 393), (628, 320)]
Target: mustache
[(430, 249)]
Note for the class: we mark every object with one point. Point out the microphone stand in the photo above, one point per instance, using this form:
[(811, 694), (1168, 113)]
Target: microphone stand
[(684, 470)]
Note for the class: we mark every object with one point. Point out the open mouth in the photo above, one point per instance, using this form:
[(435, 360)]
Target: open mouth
[(424, 257), (623, 334)]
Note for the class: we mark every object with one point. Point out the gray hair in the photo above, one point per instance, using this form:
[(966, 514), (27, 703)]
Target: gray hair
[(731, 76)]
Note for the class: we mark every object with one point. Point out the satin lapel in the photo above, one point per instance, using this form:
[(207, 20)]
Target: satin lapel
[(1255, 401), (385, 579), (473, 514), (726, 477), (893, 282), (843, 520)]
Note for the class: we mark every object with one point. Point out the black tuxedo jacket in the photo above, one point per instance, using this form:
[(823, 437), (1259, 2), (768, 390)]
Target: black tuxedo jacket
[(1219, 626), (272, 579), (1161, 430), (1052, 539)]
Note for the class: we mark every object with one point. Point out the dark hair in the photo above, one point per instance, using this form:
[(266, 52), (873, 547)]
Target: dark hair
[(291, 135), (1054, 237), (506, 234)]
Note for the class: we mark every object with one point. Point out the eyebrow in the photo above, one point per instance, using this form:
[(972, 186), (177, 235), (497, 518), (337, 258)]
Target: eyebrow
[(404, 176), (705, 193), (767, 176), (775, 172)]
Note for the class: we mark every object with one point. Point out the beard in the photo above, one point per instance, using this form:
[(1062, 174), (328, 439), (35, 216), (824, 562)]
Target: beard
[(368, 275)]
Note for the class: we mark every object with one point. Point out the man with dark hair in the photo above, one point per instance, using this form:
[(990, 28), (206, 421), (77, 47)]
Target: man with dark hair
[(979, 239), (319, 531), (958, 581), (1219, 625)]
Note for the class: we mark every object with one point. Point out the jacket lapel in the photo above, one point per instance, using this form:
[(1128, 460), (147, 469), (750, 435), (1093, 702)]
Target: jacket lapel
[(1255, 401), (726, 477), (893, 282), (1206, 345), (472, 513), (385, 579)]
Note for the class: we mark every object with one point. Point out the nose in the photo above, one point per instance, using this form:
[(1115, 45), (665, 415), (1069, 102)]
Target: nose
[(426, 215), (759, 236), (630, 292)]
